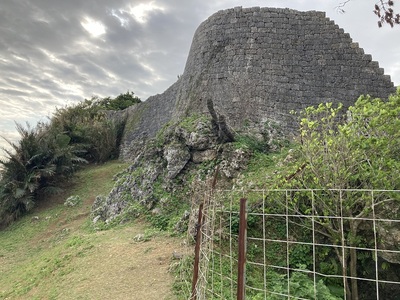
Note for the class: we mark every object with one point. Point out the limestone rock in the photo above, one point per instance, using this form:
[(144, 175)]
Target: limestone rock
[(198, 141), (73, 201), (233, 161), (202, 156), (106, 209), (389, 236), (182, 225), (177, 157)]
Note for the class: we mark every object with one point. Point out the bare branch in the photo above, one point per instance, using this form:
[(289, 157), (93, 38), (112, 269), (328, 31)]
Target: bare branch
[(340, 7), (382, 9)]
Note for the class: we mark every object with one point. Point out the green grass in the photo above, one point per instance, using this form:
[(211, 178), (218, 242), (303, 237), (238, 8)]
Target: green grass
[(42, 246), (263, 169), (54, 252)]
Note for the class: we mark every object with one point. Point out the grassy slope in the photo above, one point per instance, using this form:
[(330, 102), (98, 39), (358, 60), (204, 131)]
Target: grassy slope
[(53, 253)]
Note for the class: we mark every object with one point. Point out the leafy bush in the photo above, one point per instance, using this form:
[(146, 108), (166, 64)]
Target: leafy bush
[(299, 285), (119, 103), (87, 125), (50, 151), (356, 150), (36, 160)]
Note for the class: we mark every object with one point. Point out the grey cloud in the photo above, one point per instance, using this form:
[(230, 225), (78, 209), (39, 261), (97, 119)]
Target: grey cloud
[(16, 83), (13, 92), (61, 63)]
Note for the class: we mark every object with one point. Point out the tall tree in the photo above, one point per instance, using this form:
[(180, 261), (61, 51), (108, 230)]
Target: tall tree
[(356, 150)]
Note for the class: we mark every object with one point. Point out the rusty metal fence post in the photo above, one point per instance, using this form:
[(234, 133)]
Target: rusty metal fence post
[(197, 253), (242, 250)]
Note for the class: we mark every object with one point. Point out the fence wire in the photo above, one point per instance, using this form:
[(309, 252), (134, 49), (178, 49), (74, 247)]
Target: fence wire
[(302, 244)]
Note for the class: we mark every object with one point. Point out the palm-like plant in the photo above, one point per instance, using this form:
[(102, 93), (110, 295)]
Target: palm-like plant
[(21, 174), (32, 164)]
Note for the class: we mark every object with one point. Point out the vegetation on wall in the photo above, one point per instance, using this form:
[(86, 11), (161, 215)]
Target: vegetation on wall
[(337, 149)]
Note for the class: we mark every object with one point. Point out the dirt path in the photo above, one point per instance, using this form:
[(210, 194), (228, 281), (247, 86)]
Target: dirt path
[(113, 265), (121, 268), (53, 253)]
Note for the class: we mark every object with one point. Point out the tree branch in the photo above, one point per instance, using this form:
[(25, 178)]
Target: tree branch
[(383, 9)]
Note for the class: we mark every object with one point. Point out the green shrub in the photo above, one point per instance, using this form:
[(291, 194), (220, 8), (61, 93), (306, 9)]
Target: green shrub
[(50, 151), (299, 285), (37, 160)]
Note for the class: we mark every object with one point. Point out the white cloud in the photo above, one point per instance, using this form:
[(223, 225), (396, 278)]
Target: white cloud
[(95, 28), (119, 14), (141, 11)]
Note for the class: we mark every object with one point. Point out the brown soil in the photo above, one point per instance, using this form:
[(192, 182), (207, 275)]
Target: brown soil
[(115, 267), (120, 268), (109, 265)]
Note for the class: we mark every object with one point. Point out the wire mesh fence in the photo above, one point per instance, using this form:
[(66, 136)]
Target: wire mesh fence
[(301, 244)]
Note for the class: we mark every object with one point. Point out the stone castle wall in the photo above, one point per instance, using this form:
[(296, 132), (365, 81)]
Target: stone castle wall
[(258, 64)]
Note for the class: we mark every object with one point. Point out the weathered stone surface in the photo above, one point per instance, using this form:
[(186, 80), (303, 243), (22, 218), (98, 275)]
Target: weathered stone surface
[(166, 166), (389, 237), (202, 156), (177, 156), (73, 201), (233, 161), (106, 208), (198, 141), (256, 65), (182, 224)]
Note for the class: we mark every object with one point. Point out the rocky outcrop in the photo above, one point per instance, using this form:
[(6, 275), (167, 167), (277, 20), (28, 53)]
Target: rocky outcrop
[(246, 71), (177, 156), (166, 168), (256, 65)]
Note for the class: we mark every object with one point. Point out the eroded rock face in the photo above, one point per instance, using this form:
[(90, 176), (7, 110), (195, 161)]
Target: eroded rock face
[(233, 162), (163, 168), (199, 157), (177, 156), (198, 141), (106, 209), (154, 169), (134, 188)]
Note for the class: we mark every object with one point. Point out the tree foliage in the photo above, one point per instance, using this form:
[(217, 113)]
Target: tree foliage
[(89, 125), (47, 153), (358, 149), (120, 102), (384, 11)]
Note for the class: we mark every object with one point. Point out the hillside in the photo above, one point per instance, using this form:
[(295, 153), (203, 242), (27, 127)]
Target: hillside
[(54, 253), (244, 116)]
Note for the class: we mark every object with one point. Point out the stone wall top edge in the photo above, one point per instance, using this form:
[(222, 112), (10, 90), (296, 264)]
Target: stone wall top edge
[(278, 15), (239, 9)]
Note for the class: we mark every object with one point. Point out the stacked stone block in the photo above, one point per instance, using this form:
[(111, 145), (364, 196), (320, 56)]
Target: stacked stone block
[(261, 63), (258, 64)]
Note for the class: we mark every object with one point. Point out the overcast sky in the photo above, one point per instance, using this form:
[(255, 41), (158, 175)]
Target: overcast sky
[(59, 52)]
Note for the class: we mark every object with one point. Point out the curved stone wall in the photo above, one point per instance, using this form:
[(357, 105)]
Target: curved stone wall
[(258, 64)]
